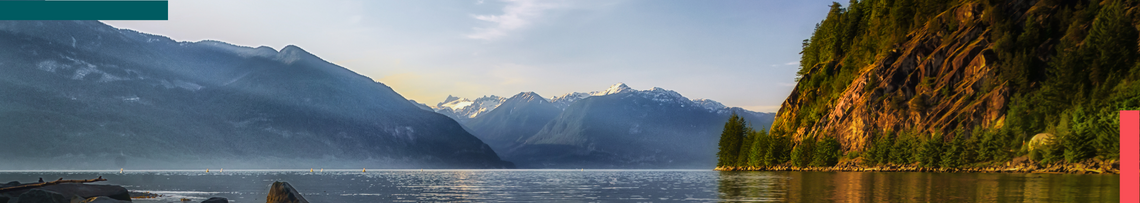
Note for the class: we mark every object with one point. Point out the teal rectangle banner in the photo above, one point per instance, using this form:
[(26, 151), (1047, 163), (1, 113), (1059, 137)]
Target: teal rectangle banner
[(83, 10)]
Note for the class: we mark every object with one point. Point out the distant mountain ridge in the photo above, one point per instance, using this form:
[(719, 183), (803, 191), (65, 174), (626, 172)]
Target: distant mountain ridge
[(463, 109), (519, 117), (619, 127), (468, 108)]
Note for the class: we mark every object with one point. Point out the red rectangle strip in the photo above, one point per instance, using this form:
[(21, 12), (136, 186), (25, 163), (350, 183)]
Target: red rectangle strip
[(1129, 156)]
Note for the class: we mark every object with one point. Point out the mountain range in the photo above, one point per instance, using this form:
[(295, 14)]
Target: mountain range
[(619, 127), (85, 95), (463, 110)]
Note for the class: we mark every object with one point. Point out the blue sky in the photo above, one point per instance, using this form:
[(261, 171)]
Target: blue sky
[(741, 53)]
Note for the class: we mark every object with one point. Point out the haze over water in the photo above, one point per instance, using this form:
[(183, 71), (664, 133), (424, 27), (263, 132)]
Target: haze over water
[(604, 185)]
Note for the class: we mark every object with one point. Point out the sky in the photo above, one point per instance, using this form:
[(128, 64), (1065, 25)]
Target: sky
[(742, 53)]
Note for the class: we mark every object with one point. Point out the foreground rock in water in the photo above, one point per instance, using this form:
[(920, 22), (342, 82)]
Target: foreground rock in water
[(44, 196), (10, 184), (282, 192), (82, 191), (62, 190), (89, 191), (104, 199), (217, 200)]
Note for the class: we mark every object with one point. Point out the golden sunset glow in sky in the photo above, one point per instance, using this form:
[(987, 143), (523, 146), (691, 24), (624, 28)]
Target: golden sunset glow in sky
[(740, 53)]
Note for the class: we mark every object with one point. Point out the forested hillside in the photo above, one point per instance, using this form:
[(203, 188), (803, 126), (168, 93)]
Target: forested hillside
[(956, 83)]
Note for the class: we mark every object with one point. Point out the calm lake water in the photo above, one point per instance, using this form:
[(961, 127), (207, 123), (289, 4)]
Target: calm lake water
[(605, 185)]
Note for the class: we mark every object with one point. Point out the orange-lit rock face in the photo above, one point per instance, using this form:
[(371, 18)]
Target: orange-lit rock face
[(958, 60)]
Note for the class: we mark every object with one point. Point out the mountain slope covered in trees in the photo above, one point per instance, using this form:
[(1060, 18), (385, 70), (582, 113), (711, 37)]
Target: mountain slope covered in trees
[(955, 83), (85, 95)]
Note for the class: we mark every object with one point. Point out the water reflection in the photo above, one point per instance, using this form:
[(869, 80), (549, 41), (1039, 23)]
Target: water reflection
[(606, 186), (916, 187)]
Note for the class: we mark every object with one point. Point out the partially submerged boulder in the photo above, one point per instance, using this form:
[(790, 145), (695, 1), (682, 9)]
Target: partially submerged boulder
[(61, 190), (216, 200), (282, 192), (91, 190), (44, 196), (1041, 141), (104, 199)]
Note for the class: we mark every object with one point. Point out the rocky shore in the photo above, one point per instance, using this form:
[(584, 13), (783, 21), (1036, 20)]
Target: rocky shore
[(77, 191), (1019, 165)]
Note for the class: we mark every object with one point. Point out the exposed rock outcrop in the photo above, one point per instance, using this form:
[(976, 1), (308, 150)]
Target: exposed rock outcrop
[(44, 196), (104, 199), (91, 190), (282, 192), (74, 190), (932, 83), (217, 200)]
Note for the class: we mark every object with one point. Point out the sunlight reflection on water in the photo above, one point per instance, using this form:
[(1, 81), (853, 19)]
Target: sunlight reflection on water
[(603, 185)]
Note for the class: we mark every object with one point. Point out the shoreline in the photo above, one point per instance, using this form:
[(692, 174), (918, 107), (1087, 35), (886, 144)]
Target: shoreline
[(1088, 167)]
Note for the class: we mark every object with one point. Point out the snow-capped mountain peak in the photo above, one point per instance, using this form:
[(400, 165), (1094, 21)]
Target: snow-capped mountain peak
[(564, 101), (529, 96), (709, 104), (463, 108), (664, 95), (449, 99), (614, 89), (457, 104)]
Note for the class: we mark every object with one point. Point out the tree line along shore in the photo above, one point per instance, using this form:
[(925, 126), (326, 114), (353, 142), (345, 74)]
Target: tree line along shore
[(743, 148)]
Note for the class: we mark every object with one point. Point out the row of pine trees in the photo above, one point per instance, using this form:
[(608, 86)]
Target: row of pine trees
[(742, 146)]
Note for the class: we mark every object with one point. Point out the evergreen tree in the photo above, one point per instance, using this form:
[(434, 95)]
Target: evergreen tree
[(1079, 142), (826, 152), (761, 145), (802, 153), (903, 149), (880, 152), (930, 154), (745, 151), (954, 150), (990, 145), (778, 150), (730, 141)]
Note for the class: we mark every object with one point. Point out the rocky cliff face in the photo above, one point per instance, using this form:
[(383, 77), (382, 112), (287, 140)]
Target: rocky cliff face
[(939, 80), (990, 72)]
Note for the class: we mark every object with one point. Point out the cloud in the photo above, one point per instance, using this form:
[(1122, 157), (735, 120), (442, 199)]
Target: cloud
[(355, 19), (517, 14), (793, 63)]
